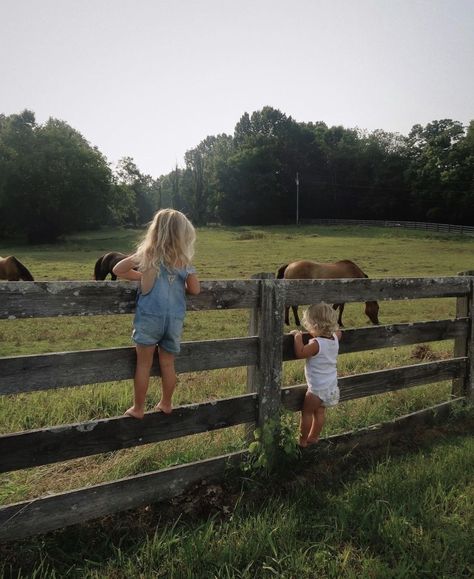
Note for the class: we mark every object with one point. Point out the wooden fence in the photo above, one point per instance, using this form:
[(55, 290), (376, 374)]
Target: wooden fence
[(263, 351), (421, 225)]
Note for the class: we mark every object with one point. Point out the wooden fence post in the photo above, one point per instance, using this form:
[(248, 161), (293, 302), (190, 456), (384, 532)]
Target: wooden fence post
[(465, 346), (266, 377)]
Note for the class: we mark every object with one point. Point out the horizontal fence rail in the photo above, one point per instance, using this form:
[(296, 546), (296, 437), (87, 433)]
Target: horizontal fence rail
[(64, 369), (49, 445), (45, 299), (86, 298), (383, 381), (305, 291)]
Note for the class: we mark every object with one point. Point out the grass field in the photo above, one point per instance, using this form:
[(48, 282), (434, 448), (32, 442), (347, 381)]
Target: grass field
[(294, 538)]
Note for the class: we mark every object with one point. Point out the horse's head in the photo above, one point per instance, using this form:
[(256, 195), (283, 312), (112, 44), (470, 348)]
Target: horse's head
[(372, 312)]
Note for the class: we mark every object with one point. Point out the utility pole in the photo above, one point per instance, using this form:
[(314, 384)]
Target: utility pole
[(297, 181)]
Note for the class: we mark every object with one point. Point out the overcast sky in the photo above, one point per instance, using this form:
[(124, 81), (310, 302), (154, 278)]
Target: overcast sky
[(151, 78)]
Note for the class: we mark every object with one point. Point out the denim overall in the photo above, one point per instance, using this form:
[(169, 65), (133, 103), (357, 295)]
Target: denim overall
[(159, 314)]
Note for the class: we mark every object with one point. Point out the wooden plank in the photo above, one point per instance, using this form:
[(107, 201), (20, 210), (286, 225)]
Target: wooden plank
[(61, 510), (360, 290), (461, 344), (375, 337), (382, 381), (269, 368), (20, 299), (252, 368), (49, 445), (61, 369), (43, 514)]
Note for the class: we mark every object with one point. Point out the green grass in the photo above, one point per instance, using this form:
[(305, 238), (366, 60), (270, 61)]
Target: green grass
[(226, 253), (400, 514)]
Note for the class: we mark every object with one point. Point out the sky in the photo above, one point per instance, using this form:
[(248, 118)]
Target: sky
[(151, 78)]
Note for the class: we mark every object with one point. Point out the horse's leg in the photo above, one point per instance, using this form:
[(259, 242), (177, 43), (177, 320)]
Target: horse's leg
[(113, 276), (295, 313), (287, 315)]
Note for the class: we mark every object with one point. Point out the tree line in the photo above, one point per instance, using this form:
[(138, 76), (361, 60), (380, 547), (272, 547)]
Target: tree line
[(52, 181)]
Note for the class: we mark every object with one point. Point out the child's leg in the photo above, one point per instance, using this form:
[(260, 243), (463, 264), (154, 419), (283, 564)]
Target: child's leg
[(310, 406), (318, 422), (142, 378), (168, 381)]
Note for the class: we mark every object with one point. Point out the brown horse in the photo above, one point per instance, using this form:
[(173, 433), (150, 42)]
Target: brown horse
[(336, 270), (105, 264), (13, 270)]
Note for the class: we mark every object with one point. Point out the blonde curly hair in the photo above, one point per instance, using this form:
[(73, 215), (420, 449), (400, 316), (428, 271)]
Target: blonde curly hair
[(169, 239), (321, 318)]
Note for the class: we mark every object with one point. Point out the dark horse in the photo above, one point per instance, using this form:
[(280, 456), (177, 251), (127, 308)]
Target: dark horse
[(336, 270), (13, 270), (105, 264)]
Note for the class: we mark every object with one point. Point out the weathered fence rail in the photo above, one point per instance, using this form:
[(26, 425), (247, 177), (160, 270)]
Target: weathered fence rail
[(265, 350)]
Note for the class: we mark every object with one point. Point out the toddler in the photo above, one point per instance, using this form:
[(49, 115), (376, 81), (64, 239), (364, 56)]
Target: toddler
[(320, 369)]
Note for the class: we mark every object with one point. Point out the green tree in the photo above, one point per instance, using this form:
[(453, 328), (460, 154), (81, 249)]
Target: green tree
[(54, 181)]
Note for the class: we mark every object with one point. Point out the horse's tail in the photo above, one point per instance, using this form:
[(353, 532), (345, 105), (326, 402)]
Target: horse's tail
[(97, 269), (281, 271), (22, 270)]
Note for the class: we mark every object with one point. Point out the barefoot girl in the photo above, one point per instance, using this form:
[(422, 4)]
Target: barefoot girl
[(166, 275), (320, 369)]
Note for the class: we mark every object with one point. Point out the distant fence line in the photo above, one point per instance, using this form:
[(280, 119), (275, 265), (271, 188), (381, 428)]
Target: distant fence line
[(439, 227), (264, 351)]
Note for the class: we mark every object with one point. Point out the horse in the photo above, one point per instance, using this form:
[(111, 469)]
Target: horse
[(105, 264), (12, 269), (334, 270)]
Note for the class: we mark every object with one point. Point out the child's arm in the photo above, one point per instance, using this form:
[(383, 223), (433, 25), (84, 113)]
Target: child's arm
[(301, 350), (125, 269), (193, 286), (339, 335)]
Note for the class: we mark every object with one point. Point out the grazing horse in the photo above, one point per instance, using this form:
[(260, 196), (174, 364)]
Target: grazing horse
[(336, 270), (106, 263), (13, 270)]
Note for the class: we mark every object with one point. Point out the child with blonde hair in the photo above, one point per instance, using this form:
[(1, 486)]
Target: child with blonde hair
[(320, 369), (164, 270)]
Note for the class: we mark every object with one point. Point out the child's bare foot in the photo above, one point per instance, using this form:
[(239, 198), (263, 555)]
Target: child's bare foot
[(312, 440), (303, 443), (166, 408), (134, 413)]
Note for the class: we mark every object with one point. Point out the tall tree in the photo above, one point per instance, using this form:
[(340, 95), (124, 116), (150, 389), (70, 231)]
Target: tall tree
[(54, 181)]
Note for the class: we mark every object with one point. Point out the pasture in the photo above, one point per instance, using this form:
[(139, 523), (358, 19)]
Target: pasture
[(236, 253)]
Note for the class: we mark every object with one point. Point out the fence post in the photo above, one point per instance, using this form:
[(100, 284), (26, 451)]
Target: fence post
[(266, 377), (254, 331), (465, 346)]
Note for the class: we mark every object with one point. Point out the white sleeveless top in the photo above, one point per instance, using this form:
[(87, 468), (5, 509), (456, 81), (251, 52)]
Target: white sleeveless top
[(321, 370)]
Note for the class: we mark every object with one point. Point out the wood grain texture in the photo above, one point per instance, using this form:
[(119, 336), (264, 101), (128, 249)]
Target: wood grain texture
[(62, 369), (20, 299), (61, 510), (362, 290), (55, 444), (381, 381), (375, 337)]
